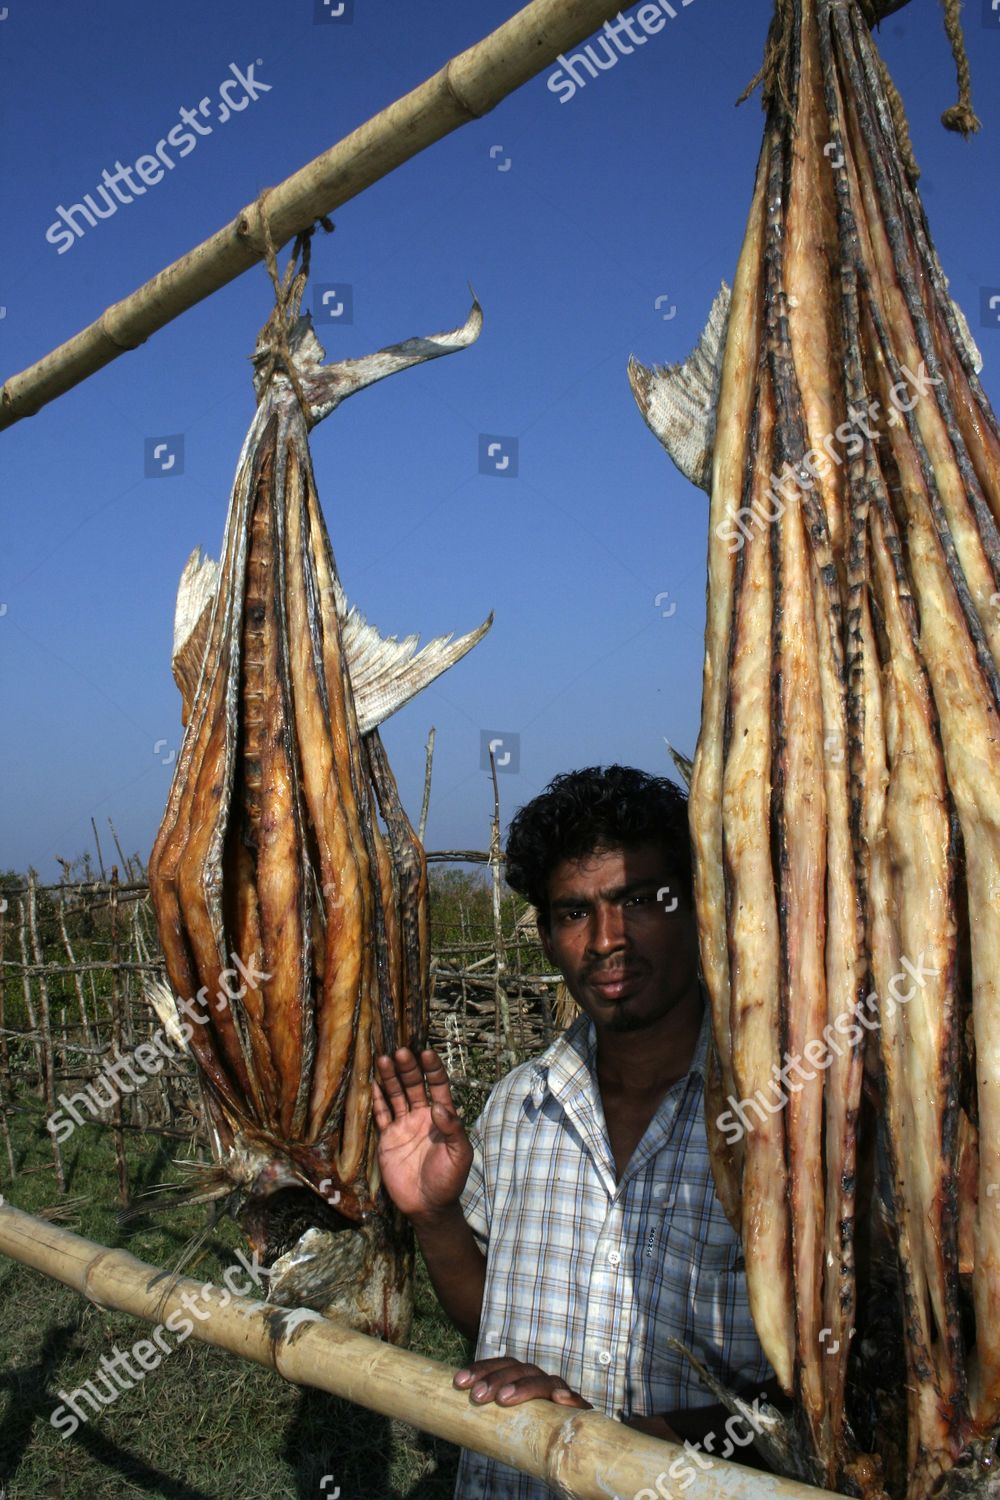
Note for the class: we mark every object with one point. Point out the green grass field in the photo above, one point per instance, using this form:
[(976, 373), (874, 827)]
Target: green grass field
[(204, 1425)]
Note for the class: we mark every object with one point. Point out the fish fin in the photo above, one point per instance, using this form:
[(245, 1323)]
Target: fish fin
[(162, 999), (776, 1437), (386, 672), (685, 767), (192, 615), (328, 385), (679, 402)]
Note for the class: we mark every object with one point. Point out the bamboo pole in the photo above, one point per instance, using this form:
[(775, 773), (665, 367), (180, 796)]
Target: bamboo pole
[(467, 87), (580, 1453)]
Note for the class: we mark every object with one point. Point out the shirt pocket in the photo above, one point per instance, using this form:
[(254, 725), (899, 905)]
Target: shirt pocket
[(704, 1265)]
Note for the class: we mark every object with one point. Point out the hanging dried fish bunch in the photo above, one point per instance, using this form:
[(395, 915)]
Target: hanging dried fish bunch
[(845, 800), (290, 890)]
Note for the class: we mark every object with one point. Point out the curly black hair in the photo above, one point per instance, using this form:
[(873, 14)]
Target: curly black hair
[(589, 811)]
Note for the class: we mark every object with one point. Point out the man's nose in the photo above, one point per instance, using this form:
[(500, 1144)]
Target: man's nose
[(607, 928)]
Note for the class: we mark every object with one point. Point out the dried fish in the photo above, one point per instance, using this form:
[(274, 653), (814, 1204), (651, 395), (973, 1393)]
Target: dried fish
[(845, 803), (283, 902)]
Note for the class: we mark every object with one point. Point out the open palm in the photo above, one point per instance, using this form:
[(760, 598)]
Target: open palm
[(424, 1153)]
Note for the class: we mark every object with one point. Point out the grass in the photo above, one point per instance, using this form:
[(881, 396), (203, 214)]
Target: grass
[(204, 1425)]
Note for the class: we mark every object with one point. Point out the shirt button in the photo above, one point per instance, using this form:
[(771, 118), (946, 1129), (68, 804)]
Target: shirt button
[(604, 1358), (614, 1258)]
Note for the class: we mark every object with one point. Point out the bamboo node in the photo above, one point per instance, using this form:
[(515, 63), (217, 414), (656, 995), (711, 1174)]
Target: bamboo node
[(106, 332), (456, 94)]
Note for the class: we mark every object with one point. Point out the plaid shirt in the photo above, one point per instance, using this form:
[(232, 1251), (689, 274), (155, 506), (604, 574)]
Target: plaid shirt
[(587, 1277)]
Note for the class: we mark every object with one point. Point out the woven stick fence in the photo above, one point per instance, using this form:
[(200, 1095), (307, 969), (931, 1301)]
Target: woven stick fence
[(77, 960)]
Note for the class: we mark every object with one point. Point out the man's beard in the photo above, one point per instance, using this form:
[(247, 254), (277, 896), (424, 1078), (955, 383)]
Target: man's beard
[(622, 1020)]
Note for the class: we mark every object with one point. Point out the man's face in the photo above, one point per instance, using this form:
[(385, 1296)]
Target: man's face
[(627, 953)]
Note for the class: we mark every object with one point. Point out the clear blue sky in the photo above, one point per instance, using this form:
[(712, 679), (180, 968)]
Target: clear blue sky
[(633, 191)]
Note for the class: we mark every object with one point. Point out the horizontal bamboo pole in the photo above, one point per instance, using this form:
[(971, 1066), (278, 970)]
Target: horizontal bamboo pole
[(467, 87), (582, 1453)]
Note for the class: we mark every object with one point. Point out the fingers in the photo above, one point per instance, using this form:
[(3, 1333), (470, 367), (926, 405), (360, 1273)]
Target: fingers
[(402, 1081), (380, 1108), (509, 1382), (411, 1075), (406, 1081), (437, 1080), (467, 1375), (390, 1089)]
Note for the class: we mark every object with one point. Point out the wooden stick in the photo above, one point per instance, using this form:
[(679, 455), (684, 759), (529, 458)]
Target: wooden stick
[(6, 1088), (92, 965), (100, 856), (507, 1058), (116, 1043), (580, 1453), (22, 934), (126, 863), (48, 1075), (4, 1056), (77, 981), (428, 766), (467, 87)]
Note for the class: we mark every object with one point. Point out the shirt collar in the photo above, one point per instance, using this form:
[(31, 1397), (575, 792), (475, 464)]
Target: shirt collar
[(570, 1063)]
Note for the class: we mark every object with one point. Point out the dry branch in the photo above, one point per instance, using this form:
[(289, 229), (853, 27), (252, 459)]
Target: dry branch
[(428, 768), (583, 1454)]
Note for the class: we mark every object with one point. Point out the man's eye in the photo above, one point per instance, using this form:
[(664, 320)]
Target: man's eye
[(641, 900)]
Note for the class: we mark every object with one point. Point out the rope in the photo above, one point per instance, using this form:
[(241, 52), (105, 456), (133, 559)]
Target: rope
[(288, 290), (961, 116), (900, 123)]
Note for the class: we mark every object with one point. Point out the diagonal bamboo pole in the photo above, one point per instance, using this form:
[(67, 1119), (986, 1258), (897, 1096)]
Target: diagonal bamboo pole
[(467, 87), (583, 1454)]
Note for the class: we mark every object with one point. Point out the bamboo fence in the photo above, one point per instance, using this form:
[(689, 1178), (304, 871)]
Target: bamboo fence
[(582, 1454), (77, 959)]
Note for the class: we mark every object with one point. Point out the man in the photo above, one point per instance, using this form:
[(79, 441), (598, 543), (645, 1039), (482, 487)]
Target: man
[(578, 1230)]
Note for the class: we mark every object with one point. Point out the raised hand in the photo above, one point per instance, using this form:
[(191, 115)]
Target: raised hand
[(424, 1153)]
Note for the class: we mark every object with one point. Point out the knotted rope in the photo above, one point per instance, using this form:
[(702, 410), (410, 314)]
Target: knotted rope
[(773, 72), (961, 116), (288, 291)]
